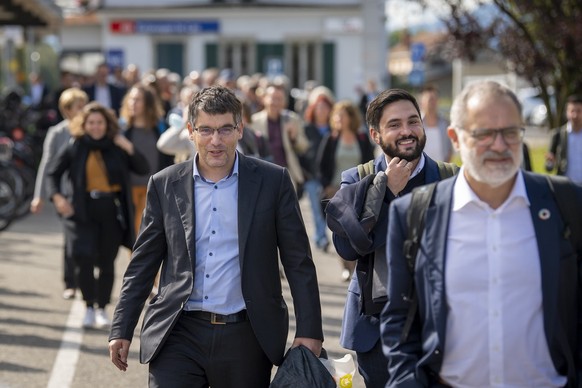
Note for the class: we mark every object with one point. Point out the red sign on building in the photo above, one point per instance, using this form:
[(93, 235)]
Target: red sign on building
[(122, 26)]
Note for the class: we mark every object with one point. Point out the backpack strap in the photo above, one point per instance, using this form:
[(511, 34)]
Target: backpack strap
[(415, 217), (365, 169), (447, 170)]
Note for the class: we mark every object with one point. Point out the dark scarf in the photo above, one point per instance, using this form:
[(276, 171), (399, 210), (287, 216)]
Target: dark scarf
[(111, 156)]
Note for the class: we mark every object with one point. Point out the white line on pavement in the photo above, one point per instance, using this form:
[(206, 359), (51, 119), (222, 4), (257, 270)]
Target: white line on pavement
[(68, 355)]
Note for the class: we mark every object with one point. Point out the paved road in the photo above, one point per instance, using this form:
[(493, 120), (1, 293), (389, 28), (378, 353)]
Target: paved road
[(42, 343)]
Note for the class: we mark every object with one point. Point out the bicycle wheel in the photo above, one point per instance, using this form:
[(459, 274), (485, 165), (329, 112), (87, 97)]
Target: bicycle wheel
[(8, 201)]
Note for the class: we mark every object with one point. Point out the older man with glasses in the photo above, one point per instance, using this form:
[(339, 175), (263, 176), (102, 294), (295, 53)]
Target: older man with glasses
[(497, 282)]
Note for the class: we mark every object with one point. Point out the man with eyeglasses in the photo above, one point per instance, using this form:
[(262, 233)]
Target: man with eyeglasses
[(497, 281), (217, 226)]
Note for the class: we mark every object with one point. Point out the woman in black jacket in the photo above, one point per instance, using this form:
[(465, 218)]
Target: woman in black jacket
[(97, 210)]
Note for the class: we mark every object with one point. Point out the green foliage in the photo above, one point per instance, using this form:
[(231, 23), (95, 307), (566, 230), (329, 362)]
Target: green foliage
[(540, 40)]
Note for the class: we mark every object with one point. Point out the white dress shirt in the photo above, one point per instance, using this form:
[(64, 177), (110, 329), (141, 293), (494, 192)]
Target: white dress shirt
[(495, 331)]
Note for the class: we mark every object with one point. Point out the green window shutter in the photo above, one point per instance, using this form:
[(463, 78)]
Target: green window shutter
[(267, 50), (329, 65), (211, 54)]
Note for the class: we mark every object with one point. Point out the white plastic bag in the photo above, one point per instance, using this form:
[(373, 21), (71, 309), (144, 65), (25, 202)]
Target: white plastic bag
[(342, 370)]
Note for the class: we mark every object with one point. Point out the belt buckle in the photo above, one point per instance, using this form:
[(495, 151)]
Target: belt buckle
[(214, 321), (94, 194)]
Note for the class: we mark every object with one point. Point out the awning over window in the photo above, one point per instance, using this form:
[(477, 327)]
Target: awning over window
[(41, 13)]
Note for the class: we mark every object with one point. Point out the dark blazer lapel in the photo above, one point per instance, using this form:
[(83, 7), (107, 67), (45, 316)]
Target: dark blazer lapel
[(249, 185), (547, 236), (183, 187), (434, 243)]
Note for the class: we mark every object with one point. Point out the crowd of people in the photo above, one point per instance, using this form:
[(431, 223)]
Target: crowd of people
[(200, 177)]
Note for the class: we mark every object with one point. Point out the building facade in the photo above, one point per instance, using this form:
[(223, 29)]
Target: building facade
[(339, 43)]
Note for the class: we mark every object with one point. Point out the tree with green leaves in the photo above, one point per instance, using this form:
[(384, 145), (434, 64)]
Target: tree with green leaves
[(539, 40)]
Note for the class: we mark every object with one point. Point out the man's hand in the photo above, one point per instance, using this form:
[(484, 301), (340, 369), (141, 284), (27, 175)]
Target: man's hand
[(118, 351), (310, 343), (398, 172)]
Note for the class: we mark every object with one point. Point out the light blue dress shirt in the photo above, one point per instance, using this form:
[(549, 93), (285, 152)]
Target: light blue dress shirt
[(217, 276)]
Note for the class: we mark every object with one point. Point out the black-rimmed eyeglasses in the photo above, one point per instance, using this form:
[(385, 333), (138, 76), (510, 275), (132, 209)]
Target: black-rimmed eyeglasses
[(486, 136)]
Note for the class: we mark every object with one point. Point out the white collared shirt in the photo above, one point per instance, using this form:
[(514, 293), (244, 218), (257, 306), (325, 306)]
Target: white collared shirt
[(495, 332)]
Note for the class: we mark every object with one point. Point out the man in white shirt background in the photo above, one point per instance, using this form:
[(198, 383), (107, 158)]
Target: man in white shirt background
[(438, 146)]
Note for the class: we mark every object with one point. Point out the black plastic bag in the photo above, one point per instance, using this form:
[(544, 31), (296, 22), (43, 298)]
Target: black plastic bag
[(302, 369)]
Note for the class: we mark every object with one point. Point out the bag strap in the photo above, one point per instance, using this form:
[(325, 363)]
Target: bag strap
[(415, 217), (565, 195), (365, 169), (447, 170)]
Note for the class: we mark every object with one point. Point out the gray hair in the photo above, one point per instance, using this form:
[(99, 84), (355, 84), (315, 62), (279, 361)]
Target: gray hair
[(482, 89)]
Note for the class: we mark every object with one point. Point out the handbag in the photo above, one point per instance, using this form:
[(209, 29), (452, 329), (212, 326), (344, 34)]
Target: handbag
[(120, 214)]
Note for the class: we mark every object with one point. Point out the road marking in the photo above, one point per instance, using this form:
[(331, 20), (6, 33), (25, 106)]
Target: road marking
[(68, 355)]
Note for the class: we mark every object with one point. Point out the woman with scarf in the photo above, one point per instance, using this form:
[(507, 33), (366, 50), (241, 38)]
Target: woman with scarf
[(97, 210)]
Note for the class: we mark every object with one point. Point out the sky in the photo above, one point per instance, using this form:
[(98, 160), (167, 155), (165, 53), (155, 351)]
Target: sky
[(409, 14)]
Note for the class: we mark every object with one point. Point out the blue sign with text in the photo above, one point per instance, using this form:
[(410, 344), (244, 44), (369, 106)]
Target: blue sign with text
[(175, 26)]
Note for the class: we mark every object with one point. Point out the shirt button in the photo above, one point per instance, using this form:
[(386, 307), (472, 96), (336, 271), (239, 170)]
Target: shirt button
[(210, 254), (213, 232), (214, 209), (207, 276), (206, 297), (215, 187)]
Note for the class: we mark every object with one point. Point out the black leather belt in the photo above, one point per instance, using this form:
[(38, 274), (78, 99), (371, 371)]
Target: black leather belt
[(218, 319), (94, 194)]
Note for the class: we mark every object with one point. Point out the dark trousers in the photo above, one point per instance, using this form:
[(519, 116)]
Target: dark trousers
[(199, 354), (69, 266), (95, 244), (373, 366)]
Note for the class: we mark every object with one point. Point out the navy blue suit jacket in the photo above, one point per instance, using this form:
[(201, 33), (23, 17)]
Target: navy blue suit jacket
[(411, 362), (360, 332)]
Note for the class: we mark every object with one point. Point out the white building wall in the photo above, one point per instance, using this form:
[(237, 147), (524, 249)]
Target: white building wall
[(342, 26), (81, 37), (137, 49), (348, 67)]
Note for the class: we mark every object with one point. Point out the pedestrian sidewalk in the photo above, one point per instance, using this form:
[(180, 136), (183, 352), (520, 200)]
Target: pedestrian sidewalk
[(35, 322)]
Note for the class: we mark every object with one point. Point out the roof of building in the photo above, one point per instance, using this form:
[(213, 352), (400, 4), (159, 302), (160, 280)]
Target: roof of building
[(40, 13)]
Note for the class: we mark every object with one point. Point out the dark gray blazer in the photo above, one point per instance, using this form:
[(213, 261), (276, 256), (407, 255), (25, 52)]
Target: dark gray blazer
[(270, 226), (411, 362)]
